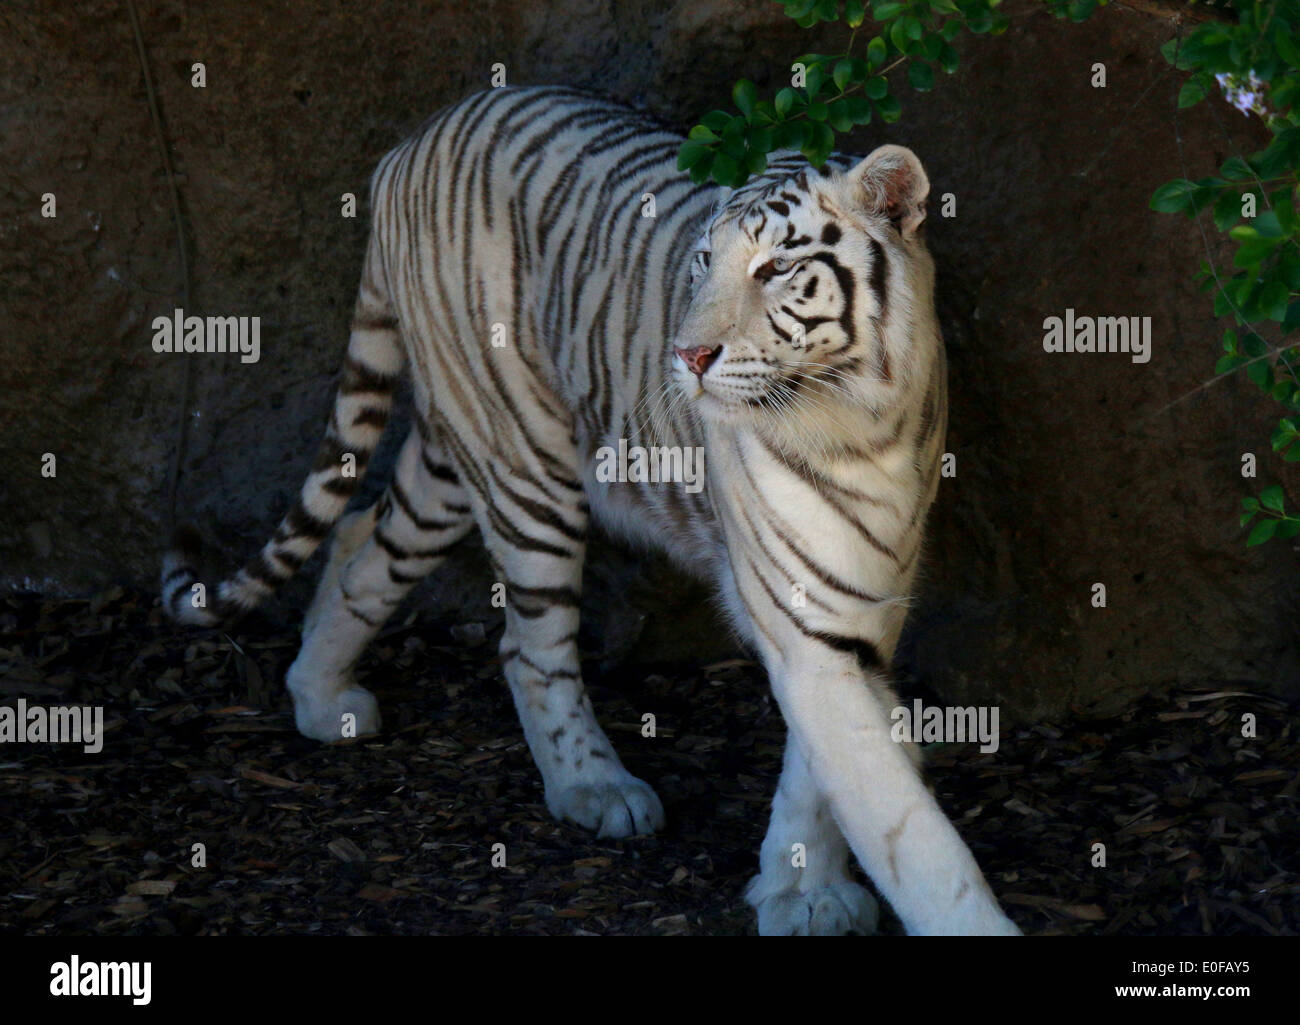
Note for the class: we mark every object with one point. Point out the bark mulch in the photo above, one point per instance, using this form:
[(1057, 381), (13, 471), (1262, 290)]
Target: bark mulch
[(397, 834)]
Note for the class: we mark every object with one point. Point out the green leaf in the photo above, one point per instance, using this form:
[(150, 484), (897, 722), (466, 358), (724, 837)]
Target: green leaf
[(1250, 502), (877, 51), (1288, 140), (1176, 53), (1268, 225), (1254, 252), (759, 140), (889, 108), (859, 109), (1260, 374), (785, 100), (1273, 299), (855, 12), (1191, 93), (716, 119), (1285, 43), (733, 138), (1262, 531), (1271, 498), (843, 74), (1283, 201), (701, 171), (814, 80), (1080, 10), (1174, 196), (1246, 517), (1227, 210), (1286, 529), (838, 116), (898, 36), (795, 134), (921, 76), (817, 146), (745, 95), (876, 87), (1236, 170), (1288, 268), (1207, 189), (725, 170), (1222, 303), (691, 153), (948, 59), (817, 111), (1244, 286), (887, 10), (809, 59), (1277, 156), (702, 133), (1285, 94)]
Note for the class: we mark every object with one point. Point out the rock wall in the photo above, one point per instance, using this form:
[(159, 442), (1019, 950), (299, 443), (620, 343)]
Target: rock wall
[(1070, 471)]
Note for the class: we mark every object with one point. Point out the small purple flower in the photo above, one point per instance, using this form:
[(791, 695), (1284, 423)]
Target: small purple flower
[(1247, 95)]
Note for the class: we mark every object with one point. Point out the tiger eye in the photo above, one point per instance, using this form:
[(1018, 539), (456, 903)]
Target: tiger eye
[(776, 265)]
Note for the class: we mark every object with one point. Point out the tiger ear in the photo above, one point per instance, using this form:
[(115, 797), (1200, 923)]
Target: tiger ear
[(894, 185)]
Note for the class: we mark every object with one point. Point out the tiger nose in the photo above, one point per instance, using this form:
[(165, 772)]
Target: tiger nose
[(699, 358)]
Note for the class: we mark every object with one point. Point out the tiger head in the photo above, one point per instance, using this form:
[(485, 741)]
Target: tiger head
[(806, 289)]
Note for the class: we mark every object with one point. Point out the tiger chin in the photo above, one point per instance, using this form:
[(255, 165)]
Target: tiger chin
[(785, 328)]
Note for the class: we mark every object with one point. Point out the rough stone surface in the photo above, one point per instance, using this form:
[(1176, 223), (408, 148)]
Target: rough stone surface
[(1069, 472)]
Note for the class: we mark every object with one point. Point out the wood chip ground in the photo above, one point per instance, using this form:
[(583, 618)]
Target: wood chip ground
[(397, 834)]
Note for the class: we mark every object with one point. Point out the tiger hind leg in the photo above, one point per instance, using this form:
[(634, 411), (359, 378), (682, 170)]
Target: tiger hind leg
[(378, 555), (535, 534)]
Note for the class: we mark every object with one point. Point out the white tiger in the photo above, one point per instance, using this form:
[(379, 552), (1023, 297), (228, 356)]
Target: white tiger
[(786, 327)]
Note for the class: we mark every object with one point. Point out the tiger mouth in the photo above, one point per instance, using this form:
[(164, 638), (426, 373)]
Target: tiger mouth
[(723, 408)]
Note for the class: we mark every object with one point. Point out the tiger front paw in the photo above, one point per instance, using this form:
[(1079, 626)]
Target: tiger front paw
[(618, 808), (838, 909)]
